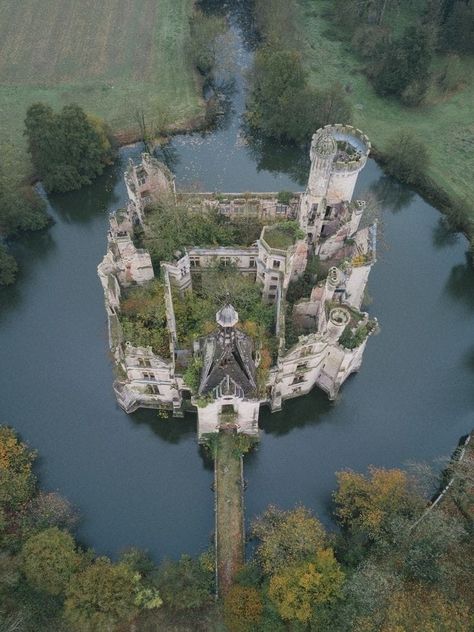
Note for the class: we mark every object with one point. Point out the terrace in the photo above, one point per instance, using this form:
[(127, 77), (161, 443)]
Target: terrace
[(282, 235)]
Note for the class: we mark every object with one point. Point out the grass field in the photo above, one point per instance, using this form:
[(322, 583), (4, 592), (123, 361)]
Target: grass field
[(445, 123), (110, 57)]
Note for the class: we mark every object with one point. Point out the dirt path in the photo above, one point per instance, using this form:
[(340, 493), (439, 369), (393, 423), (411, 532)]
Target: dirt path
[(229, 512)]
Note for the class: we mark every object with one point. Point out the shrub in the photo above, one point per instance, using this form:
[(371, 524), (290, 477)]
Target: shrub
[(407, 157), (8, 267)]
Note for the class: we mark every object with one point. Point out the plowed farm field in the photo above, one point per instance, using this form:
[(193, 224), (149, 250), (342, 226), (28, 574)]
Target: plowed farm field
[(112, 57)]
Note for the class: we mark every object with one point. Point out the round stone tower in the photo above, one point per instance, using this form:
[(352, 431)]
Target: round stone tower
[(352, 151)]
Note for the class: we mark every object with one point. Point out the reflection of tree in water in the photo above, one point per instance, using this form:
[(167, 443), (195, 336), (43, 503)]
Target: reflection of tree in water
[(169, 155), (85, 205), (469, 358), (169, 429), (297, 413), (443, 234), (460, 284), (278, 157), (240, 11), (392, 194)]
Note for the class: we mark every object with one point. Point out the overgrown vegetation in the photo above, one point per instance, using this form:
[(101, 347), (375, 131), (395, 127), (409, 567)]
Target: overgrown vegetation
[(351, 338), (8, 267), (282, 235), (143, 318), (21, 210), (170, 227)]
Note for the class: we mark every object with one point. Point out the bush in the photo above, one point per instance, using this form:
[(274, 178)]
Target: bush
[(8, 267), (407, 157), (185, 584)]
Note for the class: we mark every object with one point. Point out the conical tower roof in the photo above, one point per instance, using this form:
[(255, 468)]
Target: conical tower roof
[(227, 316)]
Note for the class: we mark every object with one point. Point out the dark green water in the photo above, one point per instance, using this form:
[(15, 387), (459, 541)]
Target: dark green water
[(140, 480)]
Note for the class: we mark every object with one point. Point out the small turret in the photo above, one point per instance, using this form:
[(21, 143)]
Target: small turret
[(338, 320), (227, 316)]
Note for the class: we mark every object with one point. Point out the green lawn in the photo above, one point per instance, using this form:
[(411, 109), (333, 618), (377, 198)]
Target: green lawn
[(445, 124), (110, 57)]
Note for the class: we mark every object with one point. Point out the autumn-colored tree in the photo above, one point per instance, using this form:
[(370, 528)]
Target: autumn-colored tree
[(50, 559), (416, 609), (102, 596), (17, 481), (366, 503), (243, 608), (297, 590), (286, 537)]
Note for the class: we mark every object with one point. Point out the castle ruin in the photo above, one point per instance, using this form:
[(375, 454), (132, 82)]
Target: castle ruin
[(233, 376)]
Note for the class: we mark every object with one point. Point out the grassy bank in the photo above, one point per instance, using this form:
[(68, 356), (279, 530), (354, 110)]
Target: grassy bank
[(110, 57), (444, 122)]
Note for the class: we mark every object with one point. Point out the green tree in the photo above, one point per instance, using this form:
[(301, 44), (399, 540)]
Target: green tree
[(17, 482), (457, 31), (68, 149), (21, 208), (8, 267), (296, 590), (286, 537), (331, 106), (405, 67), (50, 559), (407, 158), (101, 596), (185, 584), (278, 104)]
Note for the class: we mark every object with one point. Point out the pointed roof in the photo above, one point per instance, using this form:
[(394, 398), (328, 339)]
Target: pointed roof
[(228, 365), (227, 316)]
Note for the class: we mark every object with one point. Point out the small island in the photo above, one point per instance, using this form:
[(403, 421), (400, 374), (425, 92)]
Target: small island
[(262, 307)]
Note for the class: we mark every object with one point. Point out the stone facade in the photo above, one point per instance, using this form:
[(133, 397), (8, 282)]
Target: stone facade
[(334, 330)]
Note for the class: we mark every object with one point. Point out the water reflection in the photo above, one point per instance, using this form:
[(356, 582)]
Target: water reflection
[(167, 428), (460, 284), (392, 194), (297, 413), (443, 234)]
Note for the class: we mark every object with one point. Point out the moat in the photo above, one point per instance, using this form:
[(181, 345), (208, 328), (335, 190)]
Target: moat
[(141, 480)]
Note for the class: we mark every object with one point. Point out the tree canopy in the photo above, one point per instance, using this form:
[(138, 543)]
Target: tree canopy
[(68, 149), (286, 537), (101, 596), (50, 559), (297, 590)]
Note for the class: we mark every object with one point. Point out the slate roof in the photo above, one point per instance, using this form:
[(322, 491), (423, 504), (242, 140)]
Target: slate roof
[(228, 365)]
